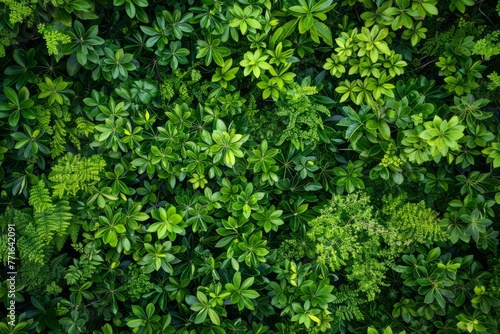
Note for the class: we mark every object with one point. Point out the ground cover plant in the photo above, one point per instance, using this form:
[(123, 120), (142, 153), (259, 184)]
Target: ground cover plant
[(250, 166)]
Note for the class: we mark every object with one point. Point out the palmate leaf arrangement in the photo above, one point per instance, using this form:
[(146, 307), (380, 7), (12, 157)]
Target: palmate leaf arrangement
[(263, 166)]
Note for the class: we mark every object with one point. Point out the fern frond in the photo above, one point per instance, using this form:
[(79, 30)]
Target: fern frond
[(21, 219), (349, 313), (73, 230), (31, 246), (84, 127), (412, 222), (6, 219), (60, 241), (58, 139), (40, 198), (346, 295), (43, 116), (73, 173), (36, 277), (347, 304), (52, 221), (495, 80), (82, 269), (4, 248)]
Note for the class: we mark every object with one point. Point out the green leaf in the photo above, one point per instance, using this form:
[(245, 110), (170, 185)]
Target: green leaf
[(434, 254), (305, 23), (324, 32), (135, 323)]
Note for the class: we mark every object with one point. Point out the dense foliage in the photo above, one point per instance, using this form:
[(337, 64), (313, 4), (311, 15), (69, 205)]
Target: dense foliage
[(250, 166)]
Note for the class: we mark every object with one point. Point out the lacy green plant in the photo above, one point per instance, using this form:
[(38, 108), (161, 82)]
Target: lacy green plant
[(338, 232), (42, 230), (488, 46), (54, 38), (302, 117), (73, 173), (415, 223)]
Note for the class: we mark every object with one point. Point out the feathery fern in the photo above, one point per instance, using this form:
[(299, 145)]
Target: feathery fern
[(488, 46), (38, 280), (296, 119), (73, 173), (495, 80), (40, 198), (412, 222), (82, 269), (346, 304), (56, 120)]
